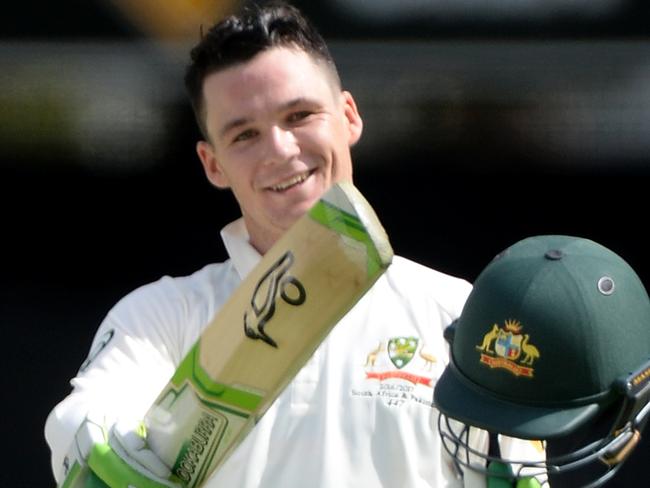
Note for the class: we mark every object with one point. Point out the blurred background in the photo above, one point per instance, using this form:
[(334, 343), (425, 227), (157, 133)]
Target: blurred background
[(486, 121)]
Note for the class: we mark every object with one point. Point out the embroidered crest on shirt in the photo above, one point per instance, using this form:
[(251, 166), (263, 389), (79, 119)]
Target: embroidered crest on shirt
[(398, 370)]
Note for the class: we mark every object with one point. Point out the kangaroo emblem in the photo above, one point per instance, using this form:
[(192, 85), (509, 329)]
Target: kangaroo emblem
[(488, 339), (371, 358)]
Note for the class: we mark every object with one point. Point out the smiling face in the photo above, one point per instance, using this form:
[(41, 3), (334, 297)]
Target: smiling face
[(280, 132)]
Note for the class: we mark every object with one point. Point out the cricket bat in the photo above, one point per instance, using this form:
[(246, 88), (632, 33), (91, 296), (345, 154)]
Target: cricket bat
[(263, 335)]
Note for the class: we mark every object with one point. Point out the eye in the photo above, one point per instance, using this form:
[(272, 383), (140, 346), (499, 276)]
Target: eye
[(245, 135), (298, 116)]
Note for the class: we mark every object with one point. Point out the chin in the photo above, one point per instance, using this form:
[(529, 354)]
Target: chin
[(291, 215)]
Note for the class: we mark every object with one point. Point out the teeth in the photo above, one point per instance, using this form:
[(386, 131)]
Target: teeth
[(290, 182)]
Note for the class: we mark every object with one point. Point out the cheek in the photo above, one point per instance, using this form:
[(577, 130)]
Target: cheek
[(241, 161), (326, 137)]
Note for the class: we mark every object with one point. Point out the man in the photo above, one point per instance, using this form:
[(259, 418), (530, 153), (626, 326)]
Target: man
[(277, 131)]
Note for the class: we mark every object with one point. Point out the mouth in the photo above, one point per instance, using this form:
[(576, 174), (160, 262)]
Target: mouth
[(291, 182)]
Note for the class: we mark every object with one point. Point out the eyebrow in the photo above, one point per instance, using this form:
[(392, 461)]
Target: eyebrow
[(233, 124)]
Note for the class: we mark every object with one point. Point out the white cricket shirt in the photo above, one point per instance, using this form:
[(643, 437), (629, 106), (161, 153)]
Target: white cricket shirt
[(358, 414)]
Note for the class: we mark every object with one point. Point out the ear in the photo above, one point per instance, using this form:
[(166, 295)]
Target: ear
[(353, 118), (211, 166)]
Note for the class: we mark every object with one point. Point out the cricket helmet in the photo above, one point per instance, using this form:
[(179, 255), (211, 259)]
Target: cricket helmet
[(554, 338)]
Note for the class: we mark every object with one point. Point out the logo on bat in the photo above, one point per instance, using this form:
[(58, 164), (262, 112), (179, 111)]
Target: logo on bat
[(275, 282)]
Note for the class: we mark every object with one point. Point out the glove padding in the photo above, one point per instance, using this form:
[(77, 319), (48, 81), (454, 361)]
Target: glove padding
[(128, 440), (125, 460)]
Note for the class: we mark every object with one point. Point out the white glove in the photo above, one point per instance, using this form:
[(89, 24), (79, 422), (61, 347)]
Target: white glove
[(126, 460), (121, 457), (73, 471)]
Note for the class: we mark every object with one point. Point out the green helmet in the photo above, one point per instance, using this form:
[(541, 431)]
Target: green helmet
[(554, 336)]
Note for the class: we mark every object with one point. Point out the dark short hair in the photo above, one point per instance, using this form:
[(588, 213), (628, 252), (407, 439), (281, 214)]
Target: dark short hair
[(240, 37)]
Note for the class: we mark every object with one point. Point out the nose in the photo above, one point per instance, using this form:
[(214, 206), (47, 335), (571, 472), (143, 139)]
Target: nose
[(282, 145)]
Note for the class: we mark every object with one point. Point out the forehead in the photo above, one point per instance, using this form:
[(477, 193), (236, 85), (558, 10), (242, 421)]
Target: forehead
[(272, 76)]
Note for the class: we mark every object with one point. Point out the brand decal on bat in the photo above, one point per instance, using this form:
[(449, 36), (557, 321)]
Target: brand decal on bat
[(275, 283)]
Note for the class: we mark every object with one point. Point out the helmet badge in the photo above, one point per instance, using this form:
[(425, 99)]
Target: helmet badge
[(507, 348)]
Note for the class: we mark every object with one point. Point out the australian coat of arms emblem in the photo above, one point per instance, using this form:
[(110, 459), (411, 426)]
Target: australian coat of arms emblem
[(508, 348)]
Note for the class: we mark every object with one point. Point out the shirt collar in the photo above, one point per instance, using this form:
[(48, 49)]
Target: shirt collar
[(243, 255)]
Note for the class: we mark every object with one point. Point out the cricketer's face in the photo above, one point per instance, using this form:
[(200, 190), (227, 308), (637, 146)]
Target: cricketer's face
[(279, 132)]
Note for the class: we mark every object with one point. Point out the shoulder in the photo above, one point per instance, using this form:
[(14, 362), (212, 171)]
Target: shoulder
[(213, 279), (198, 285), (417, 282), (411, 274), (176, 308)]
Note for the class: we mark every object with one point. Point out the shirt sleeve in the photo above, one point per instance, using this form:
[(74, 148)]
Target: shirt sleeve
[(134, 353)]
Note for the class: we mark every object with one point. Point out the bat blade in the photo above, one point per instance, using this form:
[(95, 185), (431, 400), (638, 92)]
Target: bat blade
[(266, 332)]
